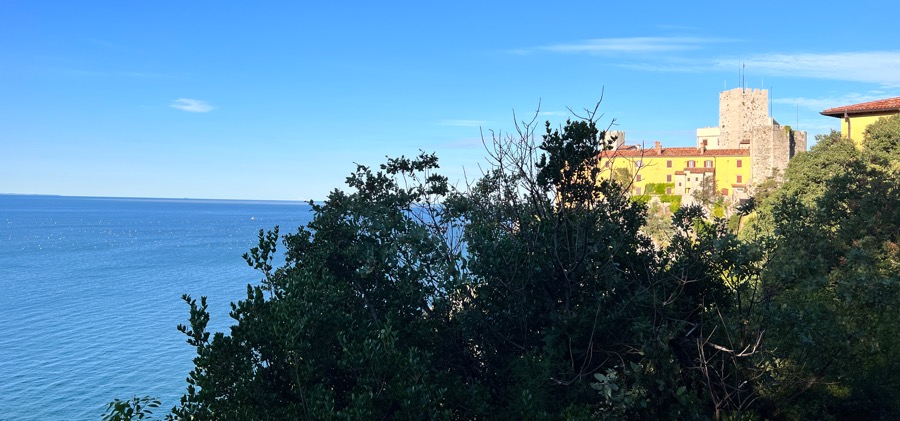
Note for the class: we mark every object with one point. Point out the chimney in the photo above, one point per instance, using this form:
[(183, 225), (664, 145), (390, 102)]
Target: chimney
[(658, 147), (703, 149)]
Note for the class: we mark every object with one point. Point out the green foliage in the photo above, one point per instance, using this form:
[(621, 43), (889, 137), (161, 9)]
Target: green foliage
[(538, 293), (832, 284), (136, 408), (674, 201), (346, 328), (658, 225), (718, 210), (623, 177), (642, 199), (883, 137), (658, 188), (705, 195), (404, 299), (806, 178), (734, 223)]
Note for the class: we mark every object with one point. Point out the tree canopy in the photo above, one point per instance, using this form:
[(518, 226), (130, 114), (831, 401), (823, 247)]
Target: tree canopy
[(534, 293)]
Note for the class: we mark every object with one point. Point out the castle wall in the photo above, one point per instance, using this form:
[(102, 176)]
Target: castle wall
[(740, 110), (799, 142), (771, 148)]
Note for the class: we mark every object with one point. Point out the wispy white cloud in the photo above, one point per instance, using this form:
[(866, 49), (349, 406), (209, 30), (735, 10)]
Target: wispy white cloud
[(463, 123), (879, 67), (822, 103), (191, 105), (555, 113), (627, 45), (671, 67), (862, 66)]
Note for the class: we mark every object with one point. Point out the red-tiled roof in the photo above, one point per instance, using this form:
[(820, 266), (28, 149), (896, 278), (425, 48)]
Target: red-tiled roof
[(674, 152), (890, 104)]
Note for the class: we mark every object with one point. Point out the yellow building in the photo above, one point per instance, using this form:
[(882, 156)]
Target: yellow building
[(748, 147), (855, 118), (679, 171)]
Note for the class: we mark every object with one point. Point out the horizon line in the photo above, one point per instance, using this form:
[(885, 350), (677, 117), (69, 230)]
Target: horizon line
[(185, 199)]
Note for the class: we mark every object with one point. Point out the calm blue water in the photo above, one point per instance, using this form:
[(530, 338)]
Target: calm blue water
[(90, 294)]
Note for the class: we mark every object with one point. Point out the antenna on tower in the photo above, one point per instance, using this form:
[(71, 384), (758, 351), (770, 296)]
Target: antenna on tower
[(743, 76)]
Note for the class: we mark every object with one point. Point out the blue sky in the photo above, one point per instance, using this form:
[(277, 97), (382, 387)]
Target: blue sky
[(278, 100)]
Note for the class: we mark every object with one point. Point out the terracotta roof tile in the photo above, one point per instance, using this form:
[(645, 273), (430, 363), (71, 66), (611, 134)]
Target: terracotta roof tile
[(674, 152), (890, 104)]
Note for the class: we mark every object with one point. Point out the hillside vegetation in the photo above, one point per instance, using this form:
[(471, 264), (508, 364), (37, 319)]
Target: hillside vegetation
[(534, 293)]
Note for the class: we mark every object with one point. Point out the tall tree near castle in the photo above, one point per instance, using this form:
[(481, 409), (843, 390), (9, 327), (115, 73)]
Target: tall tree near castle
[(833, 279)]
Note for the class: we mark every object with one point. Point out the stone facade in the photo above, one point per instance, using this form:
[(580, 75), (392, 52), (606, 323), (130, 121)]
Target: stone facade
[(772, 147), (740, 110), (744, 123)]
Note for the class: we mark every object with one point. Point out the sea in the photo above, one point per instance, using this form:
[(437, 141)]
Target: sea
[(90, 294)]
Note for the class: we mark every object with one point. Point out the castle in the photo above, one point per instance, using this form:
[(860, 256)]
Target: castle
[(746, 148)]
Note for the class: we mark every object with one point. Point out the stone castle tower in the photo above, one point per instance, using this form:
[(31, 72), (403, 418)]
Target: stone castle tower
[(744, 123), (740, 110)]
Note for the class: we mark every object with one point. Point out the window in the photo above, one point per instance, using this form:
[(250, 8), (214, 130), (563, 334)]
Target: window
[(637, 190), (668, 178), (639, 164), (696, 178), (606, 164), (692, 164), (679, 184), (637, 178), (740, 179), (668, 190), (740, 163), (669, 164), (708, 163), (724, 192)]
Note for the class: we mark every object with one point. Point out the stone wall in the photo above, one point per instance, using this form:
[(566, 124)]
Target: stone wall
[(798, 142), (771, 147), (740, 110)]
